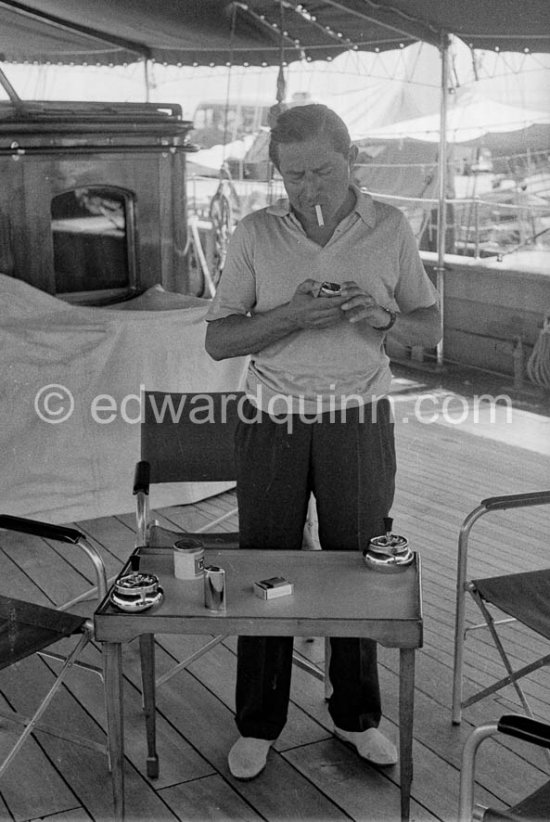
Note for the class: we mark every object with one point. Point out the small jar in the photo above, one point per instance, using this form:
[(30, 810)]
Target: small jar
[(188, 558)]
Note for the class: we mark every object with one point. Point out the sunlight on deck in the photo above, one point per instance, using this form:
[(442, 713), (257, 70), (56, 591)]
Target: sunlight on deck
[(495, 416)]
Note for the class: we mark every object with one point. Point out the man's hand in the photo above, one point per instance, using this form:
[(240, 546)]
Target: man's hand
[(312, 311), (238, 335), (419, 327), (358, 305)]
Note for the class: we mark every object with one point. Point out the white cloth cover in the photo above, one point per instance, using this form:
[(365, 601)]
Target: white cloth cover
[(82, 467)]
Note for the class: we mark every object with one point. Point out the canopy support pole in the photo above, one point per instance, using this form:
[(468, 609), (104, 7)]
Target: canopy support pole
[(442, 189), (147, 77)]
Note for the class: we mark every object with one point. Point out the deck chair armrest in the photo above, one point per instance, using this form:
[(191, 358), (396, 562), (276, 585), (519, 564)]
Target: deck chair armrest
[(516, 725), (516, 500), (40, 529), (142, 477), (61, 534), (523, 727)]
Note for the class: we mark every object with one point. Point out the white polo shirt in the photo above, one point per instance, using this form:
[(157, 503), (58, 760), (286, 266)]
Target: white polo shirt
[(313, 370)]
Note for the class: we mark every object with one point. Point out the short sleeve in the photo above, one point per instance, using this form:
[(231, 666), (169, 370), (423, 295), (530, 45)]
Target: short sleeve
[(414, 287), (236, 292)]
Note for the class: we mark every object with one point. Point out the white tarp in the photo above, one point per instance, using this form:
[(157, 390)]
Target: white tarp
[(69, 399), (469, 117), (209, 161)]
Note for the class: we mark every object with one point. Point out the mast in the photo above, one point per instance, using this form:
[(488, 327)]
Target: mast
[(442, 189)]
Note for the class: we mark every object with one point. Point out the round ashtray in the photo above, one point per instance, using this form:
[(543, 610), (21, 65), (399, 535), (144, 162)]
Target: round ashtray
[(386, 563), (388, 554), (136, 592)]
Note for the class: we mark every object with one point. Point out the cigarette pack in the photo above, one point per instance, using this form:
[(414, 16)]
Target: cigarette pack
[(273, 587)]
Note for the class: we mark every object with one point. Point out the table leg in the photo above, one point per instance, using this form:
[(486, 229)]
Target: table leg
[(115, 721), (406, 713), (147, 652)]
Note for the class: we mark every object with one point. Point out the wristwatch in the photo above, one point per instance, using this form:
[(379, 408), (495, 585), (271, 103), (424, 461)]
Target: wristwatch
[(391, 322)]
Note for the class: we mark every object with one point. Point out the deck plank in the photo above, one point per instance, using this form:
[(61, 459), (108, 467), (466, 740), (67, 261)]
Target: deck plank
[(209, 799), (33, 785), (74, 815)]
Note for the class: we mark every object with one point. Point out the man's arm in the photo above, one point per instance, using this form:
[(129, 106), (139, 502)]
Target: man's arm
[(419, 327), (239, 335), (422, 326)]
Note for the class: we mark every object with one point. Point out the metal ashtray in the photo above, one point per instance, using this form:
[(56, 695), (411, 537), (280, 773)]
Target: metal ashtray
[(136, 592), (389, 552)]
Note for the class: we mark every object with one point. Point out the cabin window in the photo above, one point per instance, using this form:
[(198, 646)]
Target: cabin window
[(94, 243)]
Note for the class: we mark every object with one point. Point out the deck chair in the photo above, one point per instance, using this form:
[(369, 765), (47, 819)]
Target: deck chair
[(185, 438), (189, 438), (522, 597), (534, 807), (27, 628)]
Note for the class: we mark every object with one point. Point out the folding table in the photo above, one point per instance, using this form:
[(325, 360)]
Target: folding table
[(335, 594)]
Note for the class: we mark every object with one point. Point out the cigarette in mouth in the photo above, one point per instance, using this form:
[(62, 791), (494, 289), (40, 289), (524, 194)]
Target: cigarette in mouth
[(319, 215)]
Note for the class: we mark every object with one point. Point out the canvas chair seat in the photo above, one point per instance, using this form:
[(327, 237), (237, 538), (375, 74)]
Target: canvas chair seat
[(536, 807), (525, 596), (26, 628)]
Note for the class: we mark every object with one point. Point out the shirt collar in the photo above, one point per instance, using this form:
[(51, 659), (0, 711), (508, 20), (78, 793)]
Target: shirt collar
[(364, 207)]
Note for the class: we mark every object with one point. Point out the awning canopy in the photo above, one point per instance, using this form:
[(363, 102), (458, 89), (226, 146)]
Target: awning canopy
[(204, 32)]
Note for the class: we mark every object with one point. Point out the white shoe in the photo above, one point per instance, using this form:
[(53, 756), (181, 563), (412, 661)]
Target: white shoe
[(248, 756), (371, 745)]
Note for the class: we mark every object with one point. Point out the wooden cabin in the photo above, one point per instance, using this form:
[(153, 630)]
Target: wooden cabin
[(93, 198)]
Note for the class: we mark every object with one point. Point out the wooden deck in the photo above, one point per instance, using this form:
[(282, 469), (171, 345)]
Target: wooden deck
[(445, 469)]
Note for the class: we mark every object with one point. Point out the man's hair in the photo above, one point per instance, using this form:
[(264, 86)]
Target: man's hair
[(301, 123)]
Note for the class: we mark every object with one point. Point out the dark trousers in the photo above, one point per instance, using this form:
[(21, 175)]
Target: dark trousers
[(350, 468)]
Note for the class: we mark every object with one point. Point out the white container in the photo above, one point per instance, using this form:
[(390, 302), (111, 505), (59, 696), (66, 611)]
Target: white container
[(273, 588), (188, 559)]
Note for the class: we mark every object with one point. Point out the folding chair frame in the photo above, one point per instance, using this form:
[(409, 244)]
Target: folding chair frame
[(521, 727), (72, 537), (463, 586)]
